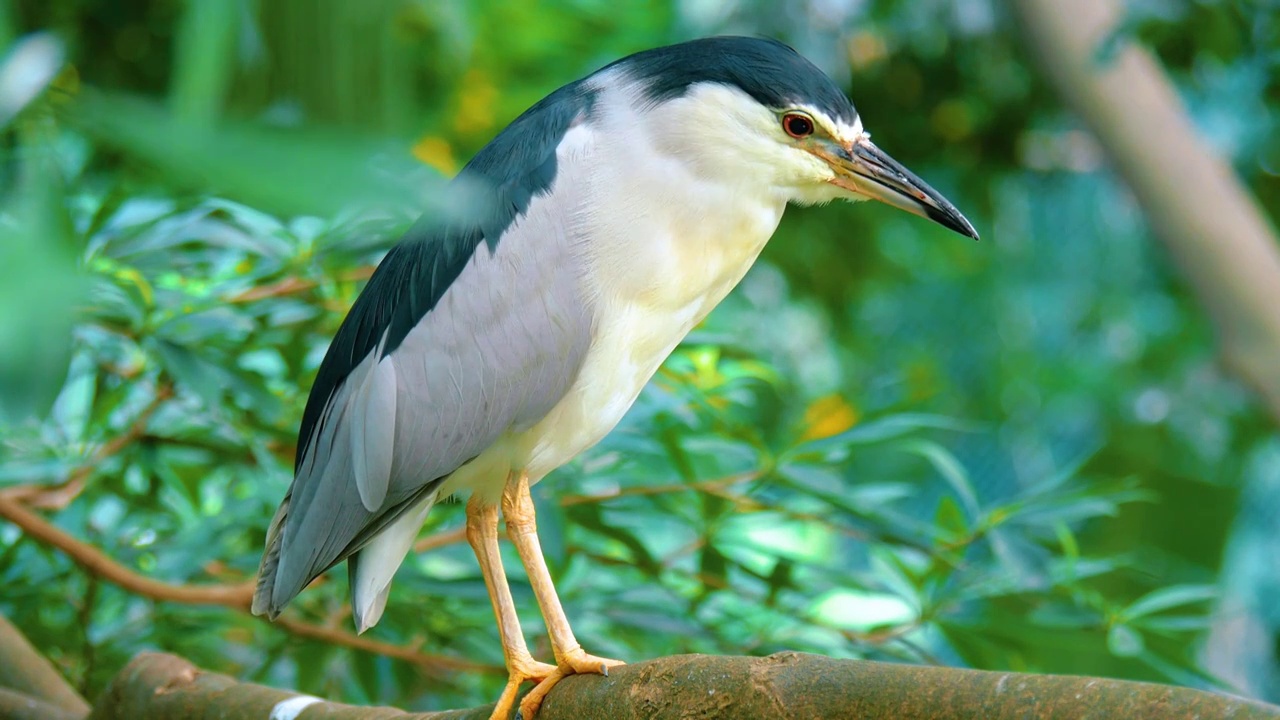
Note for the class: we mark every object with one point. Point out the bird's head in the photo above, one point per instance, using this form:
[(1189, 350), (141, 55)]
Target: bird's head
[(754, 108)]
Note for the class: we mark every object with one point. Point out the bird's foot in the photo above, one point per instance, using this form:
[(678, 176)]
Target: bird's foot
[(570, 663), (520, 670), (579, 661)]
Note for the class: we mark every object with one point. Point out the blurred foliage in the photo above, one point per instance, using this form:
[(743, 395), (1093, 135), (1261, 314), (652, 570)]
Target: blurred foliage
[(888, 443)]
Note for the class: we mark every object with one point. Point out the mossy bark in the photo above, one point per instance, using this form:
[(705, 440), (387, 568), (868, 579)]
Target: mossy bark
[(785, 685)]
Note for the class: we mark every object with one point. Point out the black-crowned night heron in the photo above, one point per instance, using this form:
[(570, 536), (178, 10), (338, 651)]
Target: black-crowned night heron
[(484, 354)]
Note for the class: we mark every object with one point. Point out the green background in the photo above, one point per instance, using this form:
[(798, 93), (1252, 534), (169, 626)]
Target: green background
[(1016, 454)]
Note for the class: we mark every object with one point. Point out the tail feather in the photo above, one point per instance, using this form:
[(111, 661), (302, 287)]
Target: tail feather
[(370, 570)]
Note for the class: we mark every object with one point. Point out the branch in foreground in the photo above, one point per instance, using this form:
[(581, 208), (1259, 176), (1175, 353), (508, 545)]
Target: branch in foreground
[(236, 597), (792, 685), (19, 706), (28, 672)]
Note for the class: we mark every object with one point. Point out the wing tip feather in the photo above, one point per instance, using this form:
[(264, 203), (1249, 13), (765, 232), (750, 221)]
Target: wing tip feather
[(265, 601), (373, 439)]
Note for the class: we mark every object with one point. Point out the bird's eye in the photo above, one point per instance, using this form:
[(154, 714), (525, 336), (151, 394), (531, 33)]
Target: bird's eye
[(797, 125)]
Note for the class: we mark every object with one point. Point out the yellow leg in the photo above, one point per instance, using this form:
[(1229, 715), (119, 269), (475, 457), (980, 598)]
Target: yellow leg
[(522, 526), (482, 534)]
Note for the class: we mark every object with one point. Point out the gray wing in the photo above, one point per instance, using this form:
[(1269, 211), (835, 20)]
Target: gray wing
[(499, 350), (462, 334)]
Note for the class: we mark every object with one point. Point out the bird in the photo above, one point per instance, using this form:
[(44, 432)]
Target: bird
[(493, 346)]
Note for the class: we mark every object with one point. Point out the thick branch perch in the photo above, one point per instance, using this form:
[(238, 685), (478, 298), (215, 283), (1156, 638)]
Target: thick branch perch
[(1198, 207), (791, 685)]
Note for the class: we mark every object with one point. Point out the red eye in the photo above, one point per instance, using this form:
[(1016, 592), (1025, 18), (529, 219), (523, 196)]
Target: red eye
[(797, 125)]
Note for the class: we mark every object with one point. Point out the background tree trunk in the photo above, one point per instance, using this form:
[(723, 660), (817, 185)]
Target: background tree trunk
[(1206, 217)]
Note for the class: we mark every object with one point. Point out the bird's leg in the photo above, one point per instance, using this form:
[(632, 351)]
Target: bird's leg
[(482, 534), (522, 526)]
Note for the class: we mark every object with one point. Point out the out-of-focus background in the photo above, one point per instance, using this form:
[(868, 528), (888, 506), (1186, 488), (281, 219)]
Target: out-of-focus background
[(889, 443)]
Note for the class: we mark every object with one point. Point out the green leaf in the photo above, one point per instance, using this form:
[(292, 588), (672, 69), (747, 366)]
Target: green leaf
[(1167, 598), (1180, 671), (1059, 477), (302, 170), (192, 372), (863, 611), (551, 526), (1123, 641), (950, 519), (206, 59), (1175, 623), (1067, 540), (197, 328), (40, 284), (780, 579), (589, 516), (948, 467), (713, 565), (29, 66)]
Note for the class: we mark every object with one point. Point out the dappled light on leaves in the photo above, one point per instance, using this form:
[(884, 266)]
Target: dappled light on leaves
[(1020, 454)]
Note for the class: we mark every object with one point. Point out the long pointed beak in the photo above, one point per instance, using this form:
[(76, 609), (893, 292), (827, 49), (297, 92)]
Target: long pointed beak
[(866, 170)]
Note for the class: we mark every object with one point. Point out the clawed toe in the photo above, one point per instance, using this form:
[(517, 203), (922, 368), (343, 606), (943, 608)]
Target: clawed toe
[(521, 671), (573, 663), (581, 662)]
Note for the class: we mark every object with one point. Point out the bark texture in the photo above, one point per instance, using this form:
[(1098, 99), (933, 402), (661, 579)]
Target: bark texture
[(787, 685), (1217, 234)]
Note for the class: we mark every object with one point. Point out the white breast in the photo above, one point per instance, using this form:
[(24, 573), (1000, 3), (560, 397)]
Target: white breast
[(634, 335), (662, 248)]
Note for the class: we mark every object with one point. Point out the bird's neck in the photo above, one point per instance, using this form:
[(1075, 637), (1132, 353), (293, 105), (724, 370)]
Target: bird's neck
[(659, 227), (676, 237)]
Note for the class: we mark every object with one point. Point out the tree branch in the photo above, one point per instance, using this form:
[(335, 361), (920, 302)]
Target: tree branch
[(36, 681), (292, 285), (20, 706), (440, 539), (234, 596), (377, 647), (1197, 206), (792, 685), (96, 562)]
